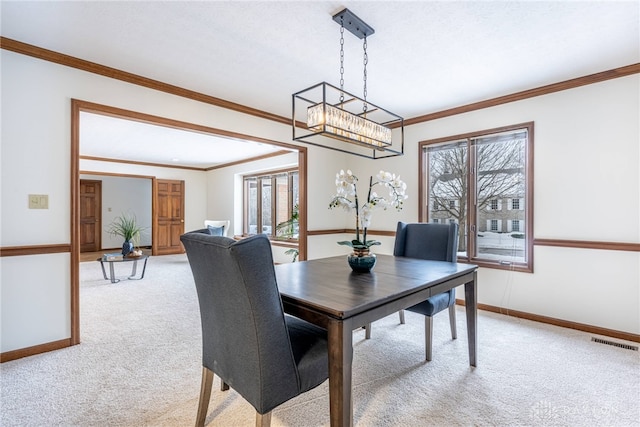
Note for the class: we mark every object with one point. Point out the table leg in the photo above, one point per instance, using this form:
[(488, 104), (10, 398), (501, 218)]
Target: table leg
[(340, 365), (104, 273), (134, 269), (471, 305), (144, 267), (113, 274)]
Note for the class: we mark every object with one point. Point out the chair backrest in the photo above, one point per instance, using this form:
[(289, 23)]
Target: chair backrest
[(225, 224), (244, 335), (438, 242)]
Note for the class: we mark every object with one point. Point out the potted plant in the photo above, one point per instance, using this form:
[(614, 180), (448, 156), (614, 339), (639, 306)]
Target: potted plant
[(361, 260), (126, 226), (288, 230)]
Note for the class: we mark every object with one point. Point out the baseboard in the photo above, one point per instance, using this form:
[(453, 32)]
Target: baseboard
[(627, 336), (36, 349)]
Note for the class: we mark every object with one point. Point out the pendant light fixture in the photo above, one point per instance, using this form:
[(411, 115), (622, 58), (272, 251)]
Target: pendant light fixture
[(327, 116)]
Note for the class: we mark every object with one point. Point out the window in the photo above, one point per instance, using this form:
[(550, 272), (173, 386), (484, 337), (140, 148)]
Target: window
[(516, 204), (272, 199), (471, 178)]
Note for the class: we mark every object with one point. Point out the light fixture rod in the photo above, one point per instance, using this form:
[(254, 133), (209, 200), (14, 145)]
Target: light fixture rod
[(355, 25), (344, 102)]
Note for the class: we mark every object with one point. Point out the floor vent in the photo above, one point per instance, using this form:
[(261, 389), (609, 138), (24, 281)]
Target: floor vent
[(615, 344)]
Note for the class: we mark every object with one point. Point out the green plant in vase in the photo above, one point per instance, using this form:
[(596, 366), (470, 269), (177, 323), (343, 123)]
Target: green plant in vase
[(126, 226)]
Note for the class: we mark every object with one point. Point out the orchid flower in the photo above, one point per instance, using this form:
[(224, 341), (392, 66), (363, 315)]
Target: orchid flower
[(347, 197)]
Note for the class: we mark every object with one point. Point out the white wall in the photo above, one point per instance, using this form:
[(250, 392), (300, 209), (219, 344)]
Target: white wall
[(35, 296), (123, 195), (586, 164), (195, 184), (224, 194), (36, 154), (586, 187)]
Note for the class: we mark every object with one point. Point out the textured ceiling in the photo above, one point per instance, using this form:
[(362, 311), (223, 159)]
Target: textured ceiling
[(424, 57), (120, 139)]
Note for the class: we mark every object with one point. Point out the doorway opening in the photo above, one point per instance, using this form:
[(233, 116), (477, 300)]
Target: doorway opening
[(104, 197), (78, 107)]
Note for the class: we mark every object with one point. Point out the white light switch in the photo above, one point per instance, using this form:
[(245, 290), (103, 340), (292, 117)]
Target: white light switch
[(38, 201)]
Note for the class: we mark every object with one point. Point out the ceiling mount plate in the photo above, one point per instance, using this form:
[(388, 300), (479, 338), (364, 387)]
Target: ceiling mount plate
[(355, 25)]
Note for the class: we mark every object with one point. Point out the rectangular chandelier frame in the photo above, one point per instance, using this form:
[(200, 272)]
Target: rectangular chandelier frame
[(323, 114)]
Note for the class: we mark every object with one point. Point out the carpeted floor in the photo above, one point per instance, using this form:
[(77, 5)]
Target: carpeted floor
[(139, 365)]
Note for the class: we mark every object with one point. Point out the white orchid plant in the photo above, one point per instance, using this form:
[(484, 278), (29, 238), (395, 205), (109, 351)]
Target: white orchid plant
[(347, 197)]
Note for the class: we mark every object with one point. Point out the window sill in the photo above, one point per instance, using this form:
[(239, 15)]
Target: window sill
[(498, 265), (287, 243)]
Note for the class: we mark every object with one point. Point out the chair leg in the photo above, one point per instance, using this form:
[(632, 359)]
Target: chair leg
[(367, 329), (452, 321), (223, 386), (263, 420), (205, 396), (428, 335), (401, 313)]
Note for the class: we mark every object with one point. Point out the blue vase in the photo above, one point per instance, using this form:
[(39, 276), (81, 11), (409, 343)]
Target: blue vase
[(361, 263), (127, 248)]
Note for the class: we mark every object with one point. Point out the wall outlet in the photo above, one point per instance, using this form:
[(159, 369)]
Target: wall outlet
[(38, 201)]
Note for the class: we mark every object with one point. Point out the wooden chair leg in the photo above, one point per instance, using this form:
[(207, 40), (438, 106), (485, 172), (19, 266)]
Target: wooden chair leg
[(428, 335), (401, 313), (205, 396), (452, 321), (367, 331), (223, 386), (263, 420)]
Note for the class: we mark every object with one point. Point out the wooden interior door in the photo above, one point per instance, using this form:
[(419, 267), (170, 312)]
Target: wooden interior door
[(170, 218), (90, 215)]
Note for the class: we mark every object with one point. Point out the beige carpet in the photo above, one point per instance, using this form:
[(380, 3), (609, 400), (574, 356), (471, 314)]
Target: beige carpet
[(139, 365)]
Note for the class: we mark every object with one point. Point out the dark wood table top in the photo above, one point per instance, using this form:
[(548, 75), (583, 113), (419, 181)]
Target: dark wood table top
[(328, 285)]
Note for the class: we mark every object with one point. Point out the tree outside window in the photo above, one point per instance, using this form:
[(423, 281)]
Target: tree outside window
[(269, 200), (480, 181)]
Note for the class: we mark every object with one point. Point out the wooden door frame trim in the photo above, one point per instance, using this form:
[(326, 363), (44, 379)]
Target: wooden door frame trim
[(98, 244), (78, 106)]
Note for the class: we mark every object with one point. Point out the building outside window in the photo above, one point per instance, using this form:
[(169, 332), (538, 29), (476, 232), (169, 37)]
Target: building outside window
[(481, 181)]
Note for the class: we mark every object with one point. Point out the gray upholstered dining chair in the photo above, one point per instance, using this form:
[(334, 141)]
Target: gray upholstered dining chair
[(247, 340), (438, 242)]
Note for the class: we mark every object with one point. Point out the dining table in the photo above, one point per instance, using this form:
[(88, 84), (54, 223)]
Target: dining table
[(327, 293)]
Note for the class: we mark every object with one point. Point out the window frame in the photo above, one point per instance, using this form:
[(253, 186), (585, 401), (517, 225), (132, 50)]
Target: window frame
[(472, 215), (271, 175)]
